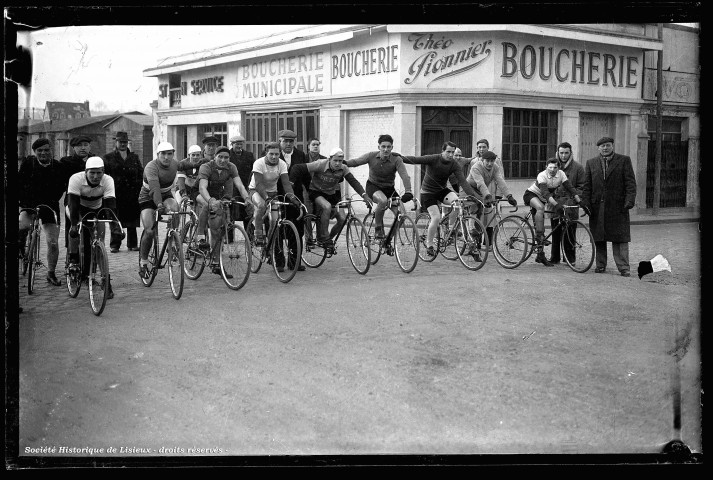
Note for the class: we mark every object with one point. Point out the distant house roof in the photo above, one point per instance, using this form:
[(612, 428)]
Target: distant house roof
[(70, 124)]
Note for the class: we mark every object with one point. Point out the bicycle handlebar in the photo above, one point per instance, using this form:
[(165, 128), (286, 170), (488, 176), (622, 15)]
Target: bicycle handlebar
[(36, 210), (501, 199), (346, 203)]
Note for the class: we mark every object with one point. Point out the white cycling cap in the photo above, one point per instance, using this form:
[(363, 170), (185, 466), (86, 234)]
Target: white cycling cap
[(164, 147), (194, 149), (94, 162)]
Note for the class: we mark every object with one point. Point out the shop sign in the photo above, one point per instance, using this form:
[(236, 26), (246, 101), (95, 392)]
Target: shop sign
[(440, 58), (292, 75), (677, 86), (370, 61), (573, 66)]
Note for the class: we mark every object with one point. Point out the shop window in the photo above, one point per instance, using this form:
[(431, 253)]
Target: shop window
[(174, 88), (218, 130), (528, 138), (670, 131), (262, 128)]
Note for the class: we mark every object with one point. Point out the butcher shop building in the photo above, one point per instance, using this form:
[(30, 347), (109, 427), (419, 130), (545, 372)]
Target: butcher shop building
[(524, 88)]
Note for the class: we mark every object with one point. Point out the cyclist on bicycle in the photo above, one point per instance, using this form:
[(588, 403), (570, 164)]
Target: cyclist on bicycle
[(541, 192), (88, 191), (41, 181), (267, 171), (324, 191), (215, 181), (434, 188), (156, 194), (383, 165), (187, 174)]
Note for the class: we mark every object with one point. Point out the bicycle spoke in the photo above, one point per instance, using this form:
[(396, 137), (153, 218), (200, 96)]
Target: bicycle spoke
[(313, 255), (406, 244), (235, 258), (358, 246), (174, 262), (98, 281)]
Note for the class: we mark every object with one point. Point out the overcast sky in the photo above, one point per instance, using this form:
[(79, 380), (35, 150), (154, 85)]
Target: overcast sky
[(105, 64)]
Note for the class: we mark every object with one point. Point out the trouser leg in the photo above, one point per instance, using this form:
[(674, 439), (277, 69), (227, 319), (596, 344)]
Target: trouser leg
[(569, 241), (601, 257), (556, 239), (131, 238), (620, 250), (116, 234)]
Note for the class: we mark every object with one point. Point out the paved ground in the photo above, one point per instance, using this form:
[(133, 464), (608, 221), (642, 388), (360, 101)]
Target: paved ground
[(443, 360)]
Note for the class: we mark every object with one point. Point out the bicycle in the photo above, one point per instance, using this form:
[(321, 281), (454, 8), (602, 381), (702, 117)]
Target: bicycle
[(174, 259), (401, 240), (30, 260), (575, 232), (281, 234), (98, 279), (509, 238), (235, 258), (468, 244), (357, 240)]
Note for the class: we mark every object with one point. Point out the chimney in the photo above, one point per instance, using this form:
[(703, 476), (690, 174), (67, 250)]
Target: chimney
[(86, 108)]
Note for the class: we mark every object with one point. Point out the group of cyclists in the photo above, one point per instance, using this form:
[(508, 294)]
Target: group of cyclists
[(208, 176)]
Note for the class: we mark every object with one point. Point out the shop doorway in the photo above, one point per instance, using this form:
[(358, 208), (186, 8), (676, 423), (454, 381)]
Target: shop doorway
[(592, 127), (262, 127), (442, 124), (674, 174)]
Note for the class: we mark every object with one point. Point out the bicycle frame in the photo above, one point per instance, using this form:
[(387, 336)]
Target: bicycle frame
[(30, 261)]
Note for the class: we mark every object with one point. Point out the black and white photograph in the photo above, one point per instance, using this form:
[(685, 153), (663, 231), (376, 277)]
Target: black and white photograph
[(470, 238)]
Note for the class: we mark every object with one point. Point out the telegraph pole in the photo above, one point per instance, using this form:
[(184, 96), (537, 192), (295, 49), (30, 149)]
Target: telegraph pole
[(659, 125)]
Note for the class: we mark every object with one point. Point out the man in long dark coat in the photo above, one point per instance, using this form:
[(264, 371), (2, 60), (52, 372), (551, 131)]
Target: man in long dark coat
[(243, 160), (292, 156), (126, 169), (610, 192)]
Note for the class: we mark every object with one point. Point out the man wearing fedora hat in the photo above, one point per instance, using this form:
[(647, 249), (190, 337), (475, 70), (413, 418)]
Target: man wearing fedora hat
[(609, 193), (292, 156), (125, 168), (74, 163)]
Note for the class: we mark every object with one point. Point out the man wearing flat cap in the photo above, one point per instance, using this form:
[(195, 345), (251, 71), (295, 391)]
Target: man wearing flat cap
[(210, 144), (72, 164), (609, 193), (41, 182), (292, 156), (243, 161), (126, 169)]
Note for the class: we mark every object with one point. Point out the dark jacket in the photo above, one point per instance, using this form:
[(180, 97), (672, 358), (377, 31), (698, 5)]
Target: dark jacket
[(41, 185), (128, 178), (609, 200), (575, 175), (72, 164), (244, 163), (298, 156)]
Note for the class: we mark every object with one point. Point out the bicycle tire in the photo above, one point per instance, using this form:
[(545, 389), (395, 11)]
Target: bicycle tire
[(193, 260), (376, 246), (422, 221), (510, 244), (153, 259), (24, 262), (530, 232), (447, 240), (73, 280), (585, 249), (174, 261), (281, 252), (257, 252), (471, 244), (98, 278), (313, 255), (406, 244), (33, 260), (358, 246), (235, 258)]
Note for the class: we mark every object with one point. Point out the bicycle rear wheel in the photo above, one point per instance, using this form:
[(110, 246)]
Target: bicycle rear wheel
[(285, 251), (374, 245), (193, 260), (530, 233), (33, 260), (98, 278), (580, 237), (406, 244), (313, 255), (174, 261), (153, 259), (422, 222), (510, 243), (256, 251), (471, 243), (358, 246), (235, 258), (72, 279), (447, 241), (24, 263)]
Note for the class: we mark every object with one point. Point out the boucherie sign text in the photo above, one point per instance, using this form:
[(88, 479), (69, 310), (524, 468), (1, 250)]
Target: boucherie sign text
[(440, 58), (574, 66)]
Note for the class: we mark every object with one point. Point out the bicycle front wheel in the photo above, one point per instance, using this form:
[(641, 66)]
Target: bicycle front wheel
[(406, 244), (98, 278), (447, 240), (374, 245), (285, 251), (33, 260), (509, 243), (193, 260), (174, 261), (24, 263), (256, 251), (153, 261), (313, 255), (235, 258), (581, 254), (422, 222), (529, 232), (471, 243), (72, 279), (358, 246)]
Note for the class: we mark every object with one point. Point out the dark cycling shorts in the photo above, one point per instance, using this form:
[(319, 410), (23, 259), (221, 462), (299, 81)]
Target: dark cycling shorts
[(46, 216), (528, 196), (371, 189), (150, 203), (333, 198), (428, 199)]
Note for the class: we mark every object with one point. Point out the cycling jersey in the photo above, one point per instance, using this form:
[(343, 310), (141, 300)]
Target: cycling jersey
[(382, 172), (545, 185), (158, 181), (270, 174), (91, 197), (189, 170), (220, 180)]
